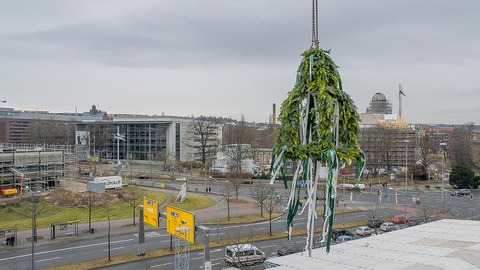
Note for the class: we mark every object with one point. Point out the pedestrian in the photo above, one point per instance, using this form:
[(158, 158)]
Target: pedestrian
[(12, 240), (8, 241), (209, 189)]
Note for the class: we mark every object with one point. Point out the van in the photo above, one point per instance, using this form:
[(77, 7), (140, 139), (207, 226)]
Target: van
[(360, 186), (244, 254)]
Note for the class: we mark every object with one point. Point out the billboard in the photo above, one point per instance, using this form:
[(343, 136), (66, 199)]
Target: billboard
[(177, 218), (81, 137), (110, 181), (150, 212)]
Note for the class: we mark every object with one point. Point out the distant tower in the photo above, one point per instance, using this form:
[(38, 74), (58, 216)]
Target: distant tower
[(400, 94), (379, 105)]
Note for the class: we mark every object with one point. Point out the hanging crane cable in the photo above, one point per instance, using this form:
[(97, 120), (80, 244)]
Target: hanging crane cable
[(315, 41)]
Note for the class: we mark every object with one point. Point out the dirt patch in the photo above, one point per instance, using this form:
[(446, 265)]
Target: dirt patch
[(68, 198)]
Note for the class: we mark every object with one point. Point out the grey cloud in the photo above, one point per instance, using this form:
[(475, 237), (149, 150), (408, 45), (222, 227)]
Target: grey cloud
[(209, 32)]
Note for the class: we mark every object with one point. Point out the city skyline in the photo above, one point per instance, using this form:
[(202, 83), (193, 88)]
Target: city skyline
[(225, 58)]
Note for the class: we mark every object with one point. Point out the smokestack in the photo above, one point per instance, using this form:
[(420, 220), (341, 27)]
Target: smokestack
[(274, 116)]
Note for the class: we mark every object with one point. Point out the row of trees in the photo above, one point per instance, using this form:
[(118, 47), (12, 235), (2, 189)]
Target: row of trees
[(385, 148), (241, 141), (263, 194)]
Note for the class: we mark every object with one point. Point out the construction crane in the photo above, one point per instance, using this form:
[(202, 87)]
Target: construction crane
[(22, 175), (400, 94)]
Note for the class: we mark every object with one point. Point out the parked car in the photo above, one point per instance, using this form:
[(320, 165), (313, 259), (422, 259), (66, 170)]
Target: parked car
[(346, 186), (400, 219), (364, 230), (375, 222), (412, 221), (247, 182), (462, 192), (389, 226), (182, 179), (344, 238), (143, 176), (339, 232), (289, 248)]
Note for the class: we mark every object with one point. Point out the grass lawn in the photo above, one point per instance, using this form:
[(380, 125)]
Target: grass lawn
[(20, 215), (194, 203), (245, 219)]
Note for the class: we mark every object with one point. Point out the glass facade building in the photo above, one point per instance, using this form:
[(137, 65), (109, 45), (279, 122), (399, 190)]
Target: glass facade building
[(145, 138)]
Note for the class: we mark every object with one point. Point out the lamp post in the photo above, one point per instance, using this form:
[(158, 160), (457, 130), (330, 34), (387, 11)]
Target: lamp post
[(443, 163), (34, 238), (119, 137), (406, 178)]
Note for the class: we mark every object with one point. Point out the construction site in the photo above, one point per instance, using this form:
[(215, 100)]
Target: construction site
[(38, 169)]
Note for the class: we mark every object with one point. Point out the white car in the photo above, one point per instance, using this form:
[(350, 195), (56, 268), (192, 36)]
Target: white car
[(346, 186), (182, 179), (364, 230)]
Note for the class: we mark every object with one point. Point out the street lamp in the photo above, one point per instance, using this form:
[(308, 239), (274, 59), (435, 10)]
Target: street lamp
[(443, 163), (33, 227), (406, 178)]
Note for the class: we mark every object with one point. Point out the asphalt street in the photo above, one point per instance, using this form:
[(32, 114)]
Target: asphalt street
[(72, 250)]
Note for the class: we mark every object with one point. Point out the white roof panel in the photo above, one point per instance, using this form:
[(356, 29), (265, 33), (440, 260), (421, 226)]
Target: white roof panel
[(443, 244)]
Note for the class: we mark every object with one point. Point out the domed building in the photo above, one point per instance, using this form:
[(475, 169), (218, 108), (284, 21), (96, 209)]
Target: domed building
[(379, 105)]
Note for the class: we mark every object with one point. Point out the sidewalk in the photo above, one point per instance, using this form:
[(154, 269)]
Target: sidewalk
[(125, 226)]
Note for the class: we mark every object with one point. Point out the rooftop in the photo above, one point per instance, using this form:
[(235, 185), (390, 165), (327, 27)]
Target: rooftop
[(443, 244)]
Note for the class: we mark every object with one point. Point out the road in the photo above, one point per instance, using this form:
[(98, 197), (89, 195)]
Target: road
[(76, 250), (269, 247)]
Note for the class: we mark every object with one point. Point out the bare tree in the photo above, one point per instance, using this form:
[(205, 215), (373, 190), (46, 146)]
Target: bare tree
[(271, 203), (39, 209), (204, 139), (227, 193), (372, 211), (92, 203), (238, 141), (427, 147), (235, 184), (460, 146), (137, 197), (98, 136), (166, 158), (428, 212), (260, 193), (51, 132)]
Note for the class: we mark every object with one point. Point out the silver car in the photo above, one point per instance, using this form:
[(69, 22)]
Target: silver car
[(389, 226), (364, 230)]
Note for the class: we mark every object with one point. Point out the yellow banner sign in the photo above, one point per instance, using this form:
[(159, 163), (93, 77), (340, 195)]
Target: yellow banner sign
[(178, 218), (150, 212)]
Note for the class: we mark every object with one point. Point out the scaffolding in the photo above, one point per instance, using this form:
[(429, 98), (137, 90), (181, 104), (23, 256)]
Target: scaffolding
[(39, 169), (182, 249)]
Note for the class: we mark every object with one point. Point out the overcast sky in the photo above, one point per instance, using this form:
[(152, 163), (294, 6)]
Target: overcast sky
[(228, 58)]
